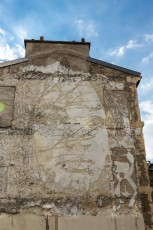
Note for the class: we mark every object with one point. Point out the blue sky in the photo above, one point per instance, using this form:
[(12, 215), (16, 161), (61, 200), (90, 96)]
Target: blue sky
[(120, 32)]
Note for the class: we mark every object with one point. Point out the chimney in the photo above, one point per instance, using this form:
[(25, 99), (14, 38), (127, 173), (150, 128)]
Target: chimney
[(41, 38), (34, 47), (83, 40)]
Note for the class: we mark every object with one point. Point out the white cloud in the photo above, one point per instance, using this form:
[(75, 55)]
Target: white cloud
[(20, 51), (120, 51), (20, 33), (148, 37), (9, 51), (2, 32), (85, 28), (147, 85), (132, 44), (147, 58), (147, 109), (147, 115)]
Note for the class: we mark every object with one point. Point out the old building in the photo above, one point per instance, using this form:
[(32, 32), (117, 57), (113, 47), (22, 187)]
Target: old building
[(72, 155)]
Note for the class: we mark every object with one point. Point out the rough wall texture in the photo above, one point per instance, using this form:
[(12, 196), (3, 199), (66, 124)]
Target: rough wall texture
[(72, 149)]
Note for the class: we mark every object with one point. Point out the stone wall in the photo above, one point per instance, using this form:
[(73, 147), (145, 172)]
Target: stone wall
[(72, 152)]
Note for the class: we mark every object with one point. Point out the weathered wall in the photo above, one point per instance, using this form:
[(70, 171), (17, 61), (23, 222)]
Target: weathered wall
[(73, 145)]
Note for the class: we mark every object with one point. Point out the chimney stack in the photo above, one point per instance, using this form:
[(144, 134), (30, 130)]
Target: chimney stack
[(34, 47), (41, 38), (83, 40)]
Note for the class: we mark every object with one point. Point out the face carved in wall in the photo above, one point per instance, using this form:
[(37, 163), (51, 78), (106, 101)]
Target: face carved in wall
[(73, 144)]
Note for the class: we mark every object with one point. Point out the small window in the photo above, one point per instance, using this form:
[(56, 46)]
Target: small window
[(7, 94)]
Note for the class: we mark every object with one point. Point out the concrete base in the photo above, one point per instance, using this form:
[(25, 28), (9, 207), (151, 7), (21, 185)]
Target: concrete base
[(102, 222), (85, 222), (26, 222)]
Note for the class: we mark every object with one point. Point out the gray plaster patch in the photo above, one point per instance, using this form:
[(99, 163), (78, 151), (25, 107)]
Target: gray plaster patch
[(3, 178), (6, 105)]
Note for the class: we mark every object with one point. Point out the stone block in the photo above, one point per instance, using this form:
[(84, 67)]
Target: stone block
[(86, 222), (125, 222), (26, 222), (102, 222), (139, 221)]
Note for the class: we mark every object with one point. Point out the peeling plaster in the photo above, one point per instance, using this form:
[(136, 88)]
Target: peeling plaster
[(71, 137), (52, 69), (124, 171)]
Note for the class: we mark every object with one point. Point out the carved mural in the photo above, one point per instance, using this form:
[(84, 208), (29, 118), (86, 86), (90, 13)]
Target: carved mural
[(75, 128)]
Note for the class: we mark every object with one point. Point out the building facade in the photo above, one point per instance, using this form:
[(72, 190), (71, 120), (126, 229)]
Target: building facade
[(72, 153)]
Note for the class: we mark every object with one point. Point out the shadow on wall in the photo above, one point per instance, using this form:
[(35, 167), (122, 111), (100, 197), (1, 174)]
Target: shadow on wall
[(150, 171)]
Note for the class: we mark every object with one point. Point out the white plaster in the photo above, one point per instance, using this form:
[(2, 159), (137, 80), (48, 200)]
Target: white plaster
[(126, 121), (127, 170), (115, 86), (138, 131), (130, 157), (57, 68), (124, 139), (52, 68)]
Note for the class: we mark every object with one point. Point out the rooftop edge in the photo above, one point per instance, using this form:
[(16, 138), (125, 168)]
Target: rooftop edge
[(57, 42), (116, 67), (13, 62)]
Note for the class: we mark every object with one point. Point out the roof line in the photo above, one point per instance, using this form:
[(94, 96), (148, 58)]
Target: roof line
[(13, 62), (109, 65), (59, 42)]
